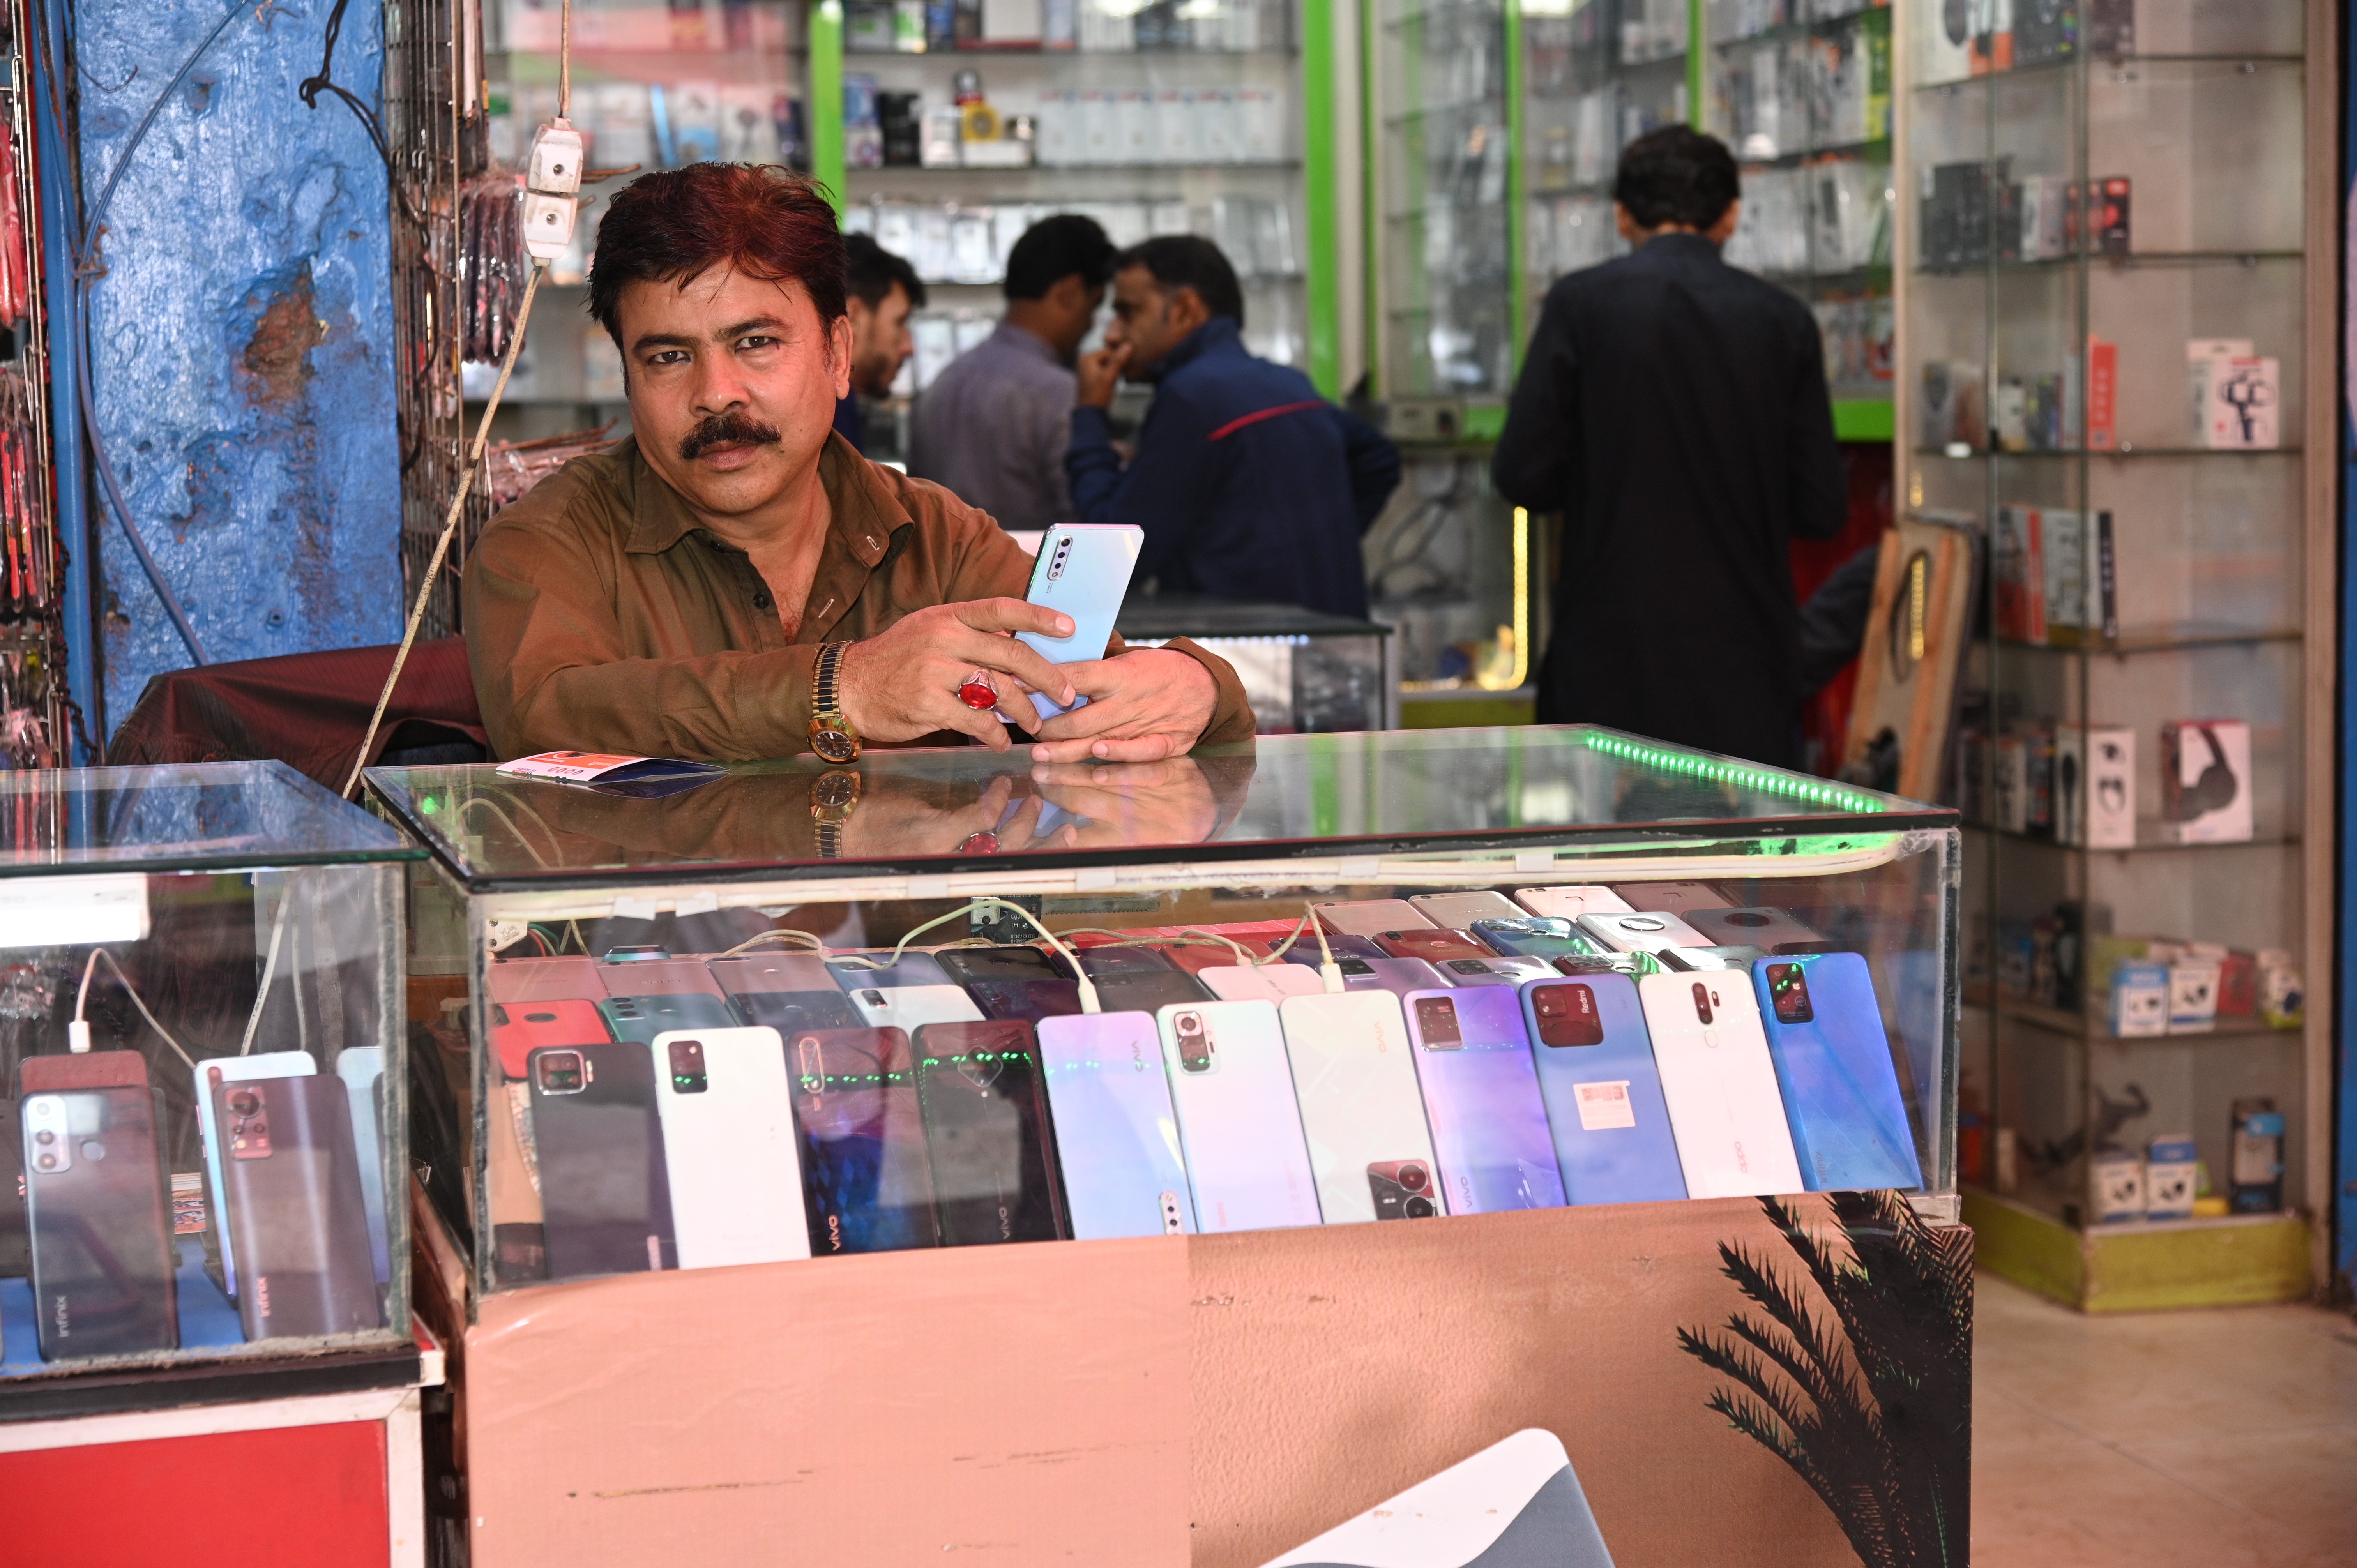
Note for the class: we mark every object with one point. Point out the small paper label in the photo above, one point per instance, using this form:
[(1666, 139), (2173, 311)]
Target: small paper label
[(1604, 1106), (579, 766), (1534, 860)]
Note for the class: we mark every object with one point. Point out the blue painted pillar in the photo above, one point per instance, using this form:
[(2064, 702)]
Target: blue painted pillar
[(240, 339)]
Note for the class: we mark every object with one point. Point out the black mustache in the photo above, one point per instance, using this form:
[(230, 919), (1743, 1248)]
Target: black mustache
[(731, 429)]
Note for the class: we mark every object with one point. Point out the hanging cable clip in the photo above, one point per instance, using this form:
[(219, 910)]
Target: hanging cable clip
[(552, 191)]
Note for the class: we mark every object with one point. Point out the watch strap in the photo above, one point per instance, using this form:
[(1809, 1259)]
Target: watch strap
[(825, 690)]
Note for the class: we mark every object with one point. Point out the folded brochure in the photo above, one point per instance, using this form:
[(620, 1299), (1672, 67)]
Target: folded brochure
[(611, 774)]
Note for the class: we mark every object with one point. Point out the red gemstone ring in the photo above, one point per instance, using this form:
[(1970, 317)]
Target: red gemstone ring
[(983, 842), (976, 692)]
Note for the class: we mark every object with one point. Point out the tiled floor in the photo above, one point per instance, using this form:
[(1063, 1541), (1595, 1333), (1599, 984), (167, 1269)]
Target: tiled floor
[(2210, 1439)]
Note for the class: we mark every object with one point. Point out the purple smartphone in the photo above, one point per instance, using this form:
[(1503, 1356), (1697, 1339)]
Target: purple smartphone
[(1397, 975), (1481, 1096)]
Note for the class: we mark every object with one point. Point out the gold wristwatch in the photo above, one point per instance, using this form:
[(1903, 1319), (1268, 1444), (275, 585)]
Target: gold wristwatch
[(833, 795), (830, 735)]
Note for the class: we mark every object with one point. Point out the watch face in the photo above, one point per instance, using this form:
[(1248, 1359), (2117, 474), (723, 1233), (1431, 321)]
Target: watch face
[(834, 745), (834, 790)]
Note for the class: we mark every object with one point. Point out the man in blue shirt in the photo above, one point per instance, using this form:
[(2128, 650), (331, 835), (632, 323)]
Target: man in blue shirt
[(1248, 484)]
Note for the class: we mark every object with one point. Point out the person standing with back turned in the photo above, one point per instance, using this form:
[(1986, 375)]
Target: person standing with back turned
[(1674, 409)]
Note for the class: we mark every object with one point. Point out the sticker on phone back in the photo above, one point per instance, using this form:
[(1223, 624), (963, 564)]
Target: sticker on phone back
[(1604, 1106)]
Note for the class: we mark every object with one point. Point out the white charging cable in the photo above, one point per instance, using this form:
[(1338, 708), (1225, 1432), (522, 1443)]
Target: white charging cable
[(1089, 1002)]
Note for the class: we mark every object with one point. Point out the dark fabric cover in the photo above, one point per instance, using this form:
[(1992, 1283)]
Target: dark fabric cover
[(307, 710)]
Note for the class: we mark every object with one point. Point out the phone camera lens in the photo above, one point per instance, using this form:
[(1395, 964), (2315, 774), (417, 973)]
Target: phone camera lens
[(47, 1162), (1413, 1177), (244, 1101), (45, 1137), (1419, 1209)]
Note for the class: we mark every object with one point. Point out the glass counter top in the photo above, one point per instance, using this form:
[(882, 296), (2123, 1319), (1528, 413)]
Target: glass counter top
[(208, 816), (967, 808)]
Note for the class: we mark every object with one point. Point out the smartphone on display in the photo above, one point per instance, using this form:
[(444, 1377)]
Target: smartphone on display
[(1116, 1130), (360, 1069), (1492, 971), (1260, 981), (1238, 1122), (730, 1156), (1674, 898), (1362, 1110), (1430, 943), (1459, 910), (1833, 1065), (1720, 1086), (295, 1205), (907, 1007), (1306, 948), (232, 1069), (1536, 936), (1368, 917), (981, 1090), (1643, 932), (1570, 902), (655, 974), (15, 1252), (519, 1028), (603, 1190), (911, 969), (639, 1019), (1082, 570), (1139, 980), (1709, 959), (1482, 1096), (571, 978), (100, 1228), (868, 1184), (1021, 983), (1773, 930), (784, 990), (1397, 975), (1603, 1094)]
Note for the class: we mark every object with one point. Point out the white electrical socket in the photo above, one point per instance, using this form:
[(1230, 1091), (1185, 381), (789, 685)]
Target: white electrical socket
[(555, 166), (548, 224)]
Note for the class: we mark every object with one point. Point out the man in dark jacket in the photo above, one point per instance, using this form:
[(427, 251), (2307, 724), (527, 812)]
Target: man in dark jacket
[(1248, 484), (1674, 409)]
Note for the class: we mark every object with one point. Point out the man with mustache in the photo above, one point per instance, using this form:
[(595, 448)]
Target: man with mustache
[(735, 581)]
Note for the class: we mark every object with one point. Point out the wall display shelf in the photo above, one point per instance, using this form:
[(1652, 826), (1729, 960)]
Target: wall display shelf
[(2109, 236)]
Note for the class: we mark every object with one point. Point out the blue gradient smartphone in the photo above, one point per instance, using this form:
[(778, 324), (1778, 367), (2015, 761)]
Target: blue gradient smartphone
[(1481, 1093), (1536, 936), (1083, 570), (868, 1180), (1834, 1064), (1116, 1133), (1603, 1094)]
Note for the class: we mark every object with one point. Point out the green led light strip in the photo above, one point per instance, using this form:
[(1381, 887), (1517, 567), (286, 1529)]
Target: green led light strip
[(1661, 758)]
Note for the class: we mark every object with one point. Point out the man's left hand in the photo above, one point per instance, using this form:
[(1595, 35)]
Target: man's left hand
[(1144, 705)]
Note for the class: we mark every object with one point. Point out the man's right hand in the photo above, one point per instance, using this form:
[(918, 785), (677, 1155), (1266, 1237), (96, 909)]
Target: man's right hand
[(1099, 375), (903, 682)]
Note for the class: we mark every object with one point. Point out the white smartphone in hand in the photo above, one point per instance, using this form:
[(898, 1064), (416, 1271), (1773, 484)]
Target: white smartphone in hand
[(1082, 571)]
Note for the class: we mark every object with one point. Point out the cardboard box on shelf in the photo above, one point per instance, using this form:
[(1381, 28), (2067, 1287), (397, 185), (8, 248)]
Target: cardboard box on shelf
[(2233, 395), (2205, 781), (2194, 996), (2094, 788), (2116, 1188), (2170, 1172), (2139, 999)]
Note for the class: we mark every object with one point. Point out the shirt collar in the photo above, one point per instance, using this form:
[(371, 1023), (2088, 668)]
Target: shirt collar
[(1023, 340), (863, 511), (1220, 333)]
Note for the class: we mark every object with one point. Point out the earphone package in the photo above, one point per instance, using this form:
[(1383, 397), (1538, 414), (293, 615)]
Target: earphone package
[(2094, 788), (2206, 780)]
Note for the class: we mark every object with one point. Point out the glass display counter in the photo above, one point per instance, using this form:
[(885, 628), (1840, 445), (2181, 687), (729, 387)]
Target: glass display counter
[(942, 998), (206, 1176)]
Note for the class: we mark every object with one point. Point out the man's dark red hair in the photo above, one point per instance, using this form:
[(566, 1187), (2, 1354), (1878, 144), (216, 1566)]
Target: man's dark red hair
[(678, 224)]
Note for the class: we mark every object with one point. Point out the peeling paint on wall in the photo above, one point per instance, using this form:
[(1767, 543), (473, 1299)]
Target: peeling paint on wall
[(241, 337)]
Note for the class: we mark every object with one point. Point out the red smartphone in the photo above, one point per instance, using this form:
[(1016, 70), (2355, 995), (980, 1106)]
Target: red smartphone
[(545, 980), (519, 1028), (1433, 944)]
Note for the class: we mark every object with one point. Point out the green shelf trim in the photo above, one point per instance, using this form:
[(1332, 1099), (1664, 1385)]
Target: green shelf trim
[(825, 105), (1321, 173), (1698, 59), (1667, 759), (1370, 221), (1484, 422), (1865, 419)]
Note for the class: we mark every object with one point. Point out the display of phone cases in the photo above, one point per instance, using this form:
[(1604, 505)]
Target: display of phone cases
[(1671, 897), (729, 1151), (1083, 570), (362, 1070), (1481, 1097), (570, 979), (1013, 982), (1770, 930), (866, 1183), (1238, 1122), (784, 990), (1362, 1110), (1116, 1130), (1643, 931), (604, 1194), (911, 969), (519, 1028), (100, 1230), (294, 1205), (1260, 981), (1835, 1069), (1431, 944), (1492, 971), (1725, 1106), (1369, 916), (1536, 936), (1459, 910), (269, 1064), (981, 1091), (1602, 1092), (908, 1007), (1570, 902)]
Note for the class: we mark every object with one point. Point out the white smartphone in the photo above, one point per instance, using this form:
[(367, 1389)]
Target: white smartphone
[(1643, 930), (1725, 1112), (1082, 570), (234, 1069), (1458, 911), (1362, 1110), (1369, 918), (729, 1151), (1570, 902), (908, 1006), (362, 1068), (1260, 981), (1676, 897), (1238, 1121)]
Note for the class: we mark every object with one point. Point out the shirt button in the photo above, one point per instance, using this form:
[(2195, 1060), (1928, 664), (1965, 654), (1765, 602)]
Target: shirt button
[(761, 601)]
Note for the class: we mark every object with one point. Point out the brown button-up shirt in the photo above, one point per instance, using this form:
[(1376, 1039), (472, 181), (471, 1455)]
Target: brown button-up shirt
[(601, 616)]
